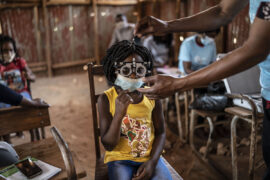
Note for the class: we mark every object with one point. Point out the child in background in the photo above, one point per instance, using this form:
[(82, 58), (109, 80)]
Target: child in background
[(14, 71), (132, 126)]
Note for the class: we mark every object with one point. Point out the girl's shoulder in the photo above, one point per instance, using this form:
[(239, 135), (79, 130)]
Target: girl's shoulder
[(21, 62)]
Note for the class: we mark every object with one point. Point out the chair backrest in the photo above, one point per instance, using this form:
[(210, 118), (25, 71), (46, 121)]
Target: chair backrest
[(16, 119), (94, 70), (66, 154)]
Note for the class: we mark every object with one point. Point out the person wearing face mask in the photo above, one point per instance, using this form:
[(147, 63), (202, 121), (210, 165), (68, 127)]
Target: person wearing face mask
[(197, 52), (132, 127), (123, 30), (8, 155), (14, 71)]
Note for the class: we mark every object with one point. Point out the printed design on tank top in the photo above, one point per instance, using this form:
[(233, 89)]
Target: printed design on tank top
[(12, 79), (137, 133)]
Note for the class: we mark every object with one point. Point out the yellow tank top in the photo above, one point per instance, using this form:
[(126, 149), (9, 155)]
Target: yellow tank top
[(137, 131)]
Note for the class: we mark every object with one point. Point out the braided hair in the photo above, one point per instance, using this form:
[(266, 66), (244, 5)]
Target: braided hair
[(119, 52)]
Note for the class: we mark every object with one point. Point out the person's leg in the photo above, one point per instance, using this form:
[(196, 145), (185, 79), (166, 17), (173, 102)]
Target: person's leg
[(121, 170), (8, 155), (266, 137), (161, 171)]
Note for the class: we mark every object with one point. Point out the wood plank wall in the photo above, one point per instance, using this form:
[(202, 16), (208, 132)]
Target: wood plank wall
[(73, 39)]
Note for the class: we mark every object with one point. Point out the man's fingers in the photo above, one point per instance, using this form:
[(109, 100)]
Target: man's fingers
[(146, 90), (150, 79), (153, 97)]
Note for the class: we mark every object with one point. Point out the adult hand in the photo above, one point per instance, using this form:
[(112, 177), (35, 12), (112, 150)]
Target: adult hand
[(150, 25), (162, 86), (34, 102), (145, 171), (122, 102)]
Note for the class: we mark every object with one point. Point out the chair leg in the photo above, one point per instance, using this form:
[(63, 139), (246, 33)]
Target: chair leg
[(32, 135), (209, 141), (186, 116), (43, 135), (252, 149), (179, 122), (202, 159), (66, 154), (233, 147), (37, 133)]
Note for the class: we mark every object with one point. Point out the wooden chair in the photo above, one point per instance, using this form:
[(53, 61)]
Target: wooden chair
[(16, 119), (211, 117), (101, 172), (253, 117), (66, 154)]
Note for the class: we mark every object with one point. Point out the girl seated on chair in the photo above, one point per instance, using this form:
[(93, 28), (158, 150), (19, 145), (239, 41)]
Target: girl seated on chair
[(132, 126)]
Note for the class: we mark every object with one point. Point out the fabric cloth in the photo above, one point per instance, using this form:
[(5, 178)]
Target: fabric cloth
[(8, 155), (198, 56), (122, 31), (124, 170), (261, 9), (9, 96), (24, 94), (160, 51), (12, 75), (137, 131)]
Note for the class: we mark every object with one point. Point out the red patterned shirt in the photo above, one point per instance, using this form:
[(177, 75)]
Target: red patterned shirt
[(13, 75)]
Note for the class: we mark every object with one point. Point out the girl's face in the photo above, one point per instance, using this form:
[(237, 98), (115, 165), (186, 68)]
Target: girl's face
[(8, 52), (133, 72)]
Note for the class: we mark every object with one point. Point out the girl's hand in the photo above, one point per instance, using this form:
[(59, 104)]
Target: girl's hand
[(145, 171), (121, 103)]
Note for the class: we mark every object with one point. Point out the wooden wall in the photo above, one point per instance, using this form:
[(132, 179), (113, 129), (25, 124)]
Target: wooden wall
[(72, 31)]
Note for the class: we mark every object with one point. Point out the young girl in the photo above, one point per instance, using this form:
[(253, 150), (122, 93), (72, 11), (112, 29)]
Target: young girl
[(14, 71), (132, 126)]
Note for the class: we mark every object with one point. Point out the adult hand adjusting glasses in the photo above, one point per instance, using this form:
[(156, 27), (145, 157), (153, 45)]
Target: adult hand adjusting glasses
[(141, 69)]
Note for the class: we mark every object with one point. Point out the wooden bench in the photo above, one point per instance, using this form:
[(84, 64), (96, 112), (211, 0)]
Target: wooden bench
[(50, 150)]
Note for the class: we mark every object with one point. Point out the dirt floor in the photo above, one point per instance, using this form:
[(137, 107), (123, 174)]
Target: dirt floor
[(70, 113)]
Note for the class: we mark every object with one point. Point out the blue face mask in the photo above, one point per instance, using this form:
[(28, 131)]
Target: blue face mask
[(128, 83)]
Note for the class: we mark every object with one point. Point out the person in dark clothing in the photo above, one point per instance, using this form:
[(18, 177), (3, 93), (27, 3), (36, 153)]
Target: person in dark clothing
[(8, 155)]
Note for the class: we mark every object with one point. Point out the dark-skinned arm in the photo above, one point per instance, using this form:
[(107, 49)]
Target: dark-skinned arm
[(187, 67), (29, 74), (210, 19), (110, 126), (146, 170), (254, 51)]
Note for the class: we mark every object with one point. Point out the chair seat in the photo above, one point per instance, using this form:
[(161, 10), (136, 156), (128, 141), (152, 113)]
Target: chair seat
[(239, 111), (205, 113), (101, 171)]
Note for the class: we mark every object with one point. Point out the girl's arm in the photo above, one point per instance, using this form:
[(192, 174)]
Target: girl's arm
[(146, 169), (29, 74), (110, 126)]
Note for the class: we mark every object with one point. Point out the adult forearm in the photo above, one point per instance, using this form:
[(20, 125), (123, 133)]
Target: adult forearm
[(211, 19), (239, 60)]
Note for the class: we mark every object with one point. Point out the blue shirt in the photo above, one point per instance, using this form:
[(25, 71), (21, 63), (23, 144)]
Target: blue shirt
[(198, 56), (265, 65)]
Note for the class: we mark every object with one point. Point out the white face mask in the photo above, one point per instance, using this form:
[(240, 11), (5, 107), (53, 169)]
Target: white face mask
[(8, 57), (121, 24), (128, 83)]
